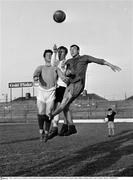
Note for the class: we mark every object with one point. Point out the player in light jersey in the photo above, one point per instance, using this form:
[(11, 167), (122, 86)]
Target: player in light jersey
[(76, 70), (61, 86), (47, 76)]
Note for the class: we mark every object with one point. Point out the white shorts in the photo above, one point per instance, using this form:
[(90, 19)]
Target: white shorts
[(110, 124), (45, 95)]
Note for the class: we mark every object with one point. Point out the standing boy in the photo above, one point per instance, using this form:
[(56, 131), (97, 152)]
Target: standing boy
[(110, 116)]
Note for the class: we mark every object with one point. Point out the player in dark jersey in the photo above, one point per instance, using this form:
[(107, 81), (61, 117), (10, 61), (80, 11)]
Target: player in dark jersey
[(110, 116), (76, 67)]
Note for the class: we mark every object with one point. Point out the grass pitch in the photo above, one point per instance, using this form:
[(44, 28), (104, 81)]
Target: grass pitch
[(88, 153)]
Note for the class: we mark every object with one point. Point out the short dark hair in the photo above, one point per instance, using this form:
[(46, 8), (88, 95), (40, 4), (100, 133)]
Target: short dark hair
[(74, 45), (63, 47), (110, 109), (47, 51)]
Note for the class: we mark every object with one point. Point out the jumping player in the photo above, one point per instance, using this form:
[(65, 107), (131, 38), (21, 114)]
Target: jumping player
[(76, 70), (47, 76), (61, 86)]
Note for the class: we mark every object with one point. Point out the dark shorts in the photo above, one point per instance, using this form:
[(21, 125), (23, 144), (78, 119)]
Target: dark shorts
[(75, 89), (59, 93)]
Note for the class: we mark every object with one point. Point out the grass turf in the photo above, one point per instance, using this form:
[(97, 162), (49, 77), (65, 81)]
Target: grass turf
[(88, 153)]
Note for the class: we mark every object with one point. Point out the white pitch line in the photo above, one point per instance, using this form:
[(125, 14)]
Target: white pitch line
[(99, 120), (79, 121)]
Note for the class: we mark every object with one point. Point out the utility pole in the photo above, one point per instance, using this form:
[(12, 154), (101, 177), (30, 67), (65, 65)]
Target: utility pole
[(125, 96)]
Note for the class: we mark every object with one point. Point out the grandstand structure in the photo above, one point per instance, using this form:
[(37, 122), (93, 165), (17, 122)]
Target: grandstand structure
[(86, 106)]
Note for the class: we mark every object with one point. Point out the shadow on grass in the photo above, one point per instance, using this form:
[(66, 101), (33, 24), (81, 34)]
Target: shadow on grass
[(32, 171), (37, 138), (126, 172), (123, 132), (113, 150), (88, 161), (19, 141)]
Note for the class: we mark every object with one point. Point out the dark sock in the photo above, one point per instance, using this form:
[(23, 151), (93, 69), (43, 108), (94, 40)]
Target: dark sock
[(47, 126), (63, 130), (40, 121), (47, 123)]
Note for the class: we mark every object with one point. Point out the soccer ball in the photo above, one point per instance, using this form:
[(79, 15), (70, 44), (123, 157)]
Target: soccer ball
[(59, 16)]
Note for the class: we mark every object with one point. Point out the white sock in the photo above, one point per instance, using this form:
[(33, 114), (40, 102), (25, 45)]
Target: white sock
[(46, 132), (55, 121), (41, 131), (55, 124)]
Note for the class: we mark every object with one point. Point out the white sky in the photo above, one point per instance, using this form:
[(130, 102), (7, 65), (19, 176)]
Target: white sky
[(101, 28)]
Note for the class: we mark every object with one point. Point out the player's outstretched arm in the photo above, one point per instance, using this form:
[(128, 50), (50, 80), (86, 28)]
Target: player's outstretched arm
[(113, 67), (103, 62), (54, 58)]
